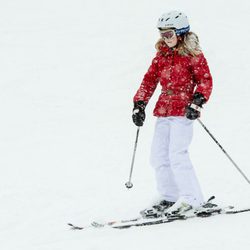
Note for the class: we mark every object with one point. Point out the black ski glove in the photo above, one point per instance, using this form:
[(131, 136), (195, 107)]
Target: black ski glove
[(194, 109), (139, 113)]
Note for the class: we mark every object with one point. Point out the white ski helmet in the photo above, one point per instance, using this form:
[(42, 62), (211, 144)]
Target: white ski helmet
[(174, 19)]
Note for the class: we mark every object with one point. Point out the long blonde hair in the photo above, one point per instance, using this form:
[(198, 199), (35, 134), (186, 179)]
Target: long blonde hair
[(188, 44)]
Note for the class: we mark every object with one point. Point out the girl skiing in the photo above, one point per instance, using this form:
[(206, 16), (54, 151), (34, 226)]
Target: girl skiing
[(186, 84)]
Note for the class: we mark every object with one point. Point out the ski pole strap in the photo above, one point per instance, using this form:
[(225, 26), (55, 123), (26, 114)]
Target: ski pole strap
[(224, 151)]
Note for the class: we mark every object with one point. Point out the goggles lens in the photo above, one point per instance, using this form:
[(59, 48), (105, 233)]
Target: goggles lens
[(168, 34)]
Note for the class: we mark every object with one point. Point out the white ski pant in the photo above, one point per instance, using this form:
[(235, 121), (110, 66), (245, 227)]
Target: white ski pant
[(175, 176)]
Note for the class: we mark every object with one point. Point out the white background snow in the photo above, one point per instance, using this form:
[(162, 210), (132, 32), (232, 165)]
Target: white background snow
[(68, 73)]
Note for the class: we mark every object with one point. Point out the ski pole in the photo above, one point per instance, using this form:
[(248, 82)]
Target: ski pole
[(224, 151), (129, 184)]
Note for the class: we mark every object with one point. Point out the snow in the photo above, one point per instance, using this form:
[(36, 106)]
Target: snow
[(69, 70)]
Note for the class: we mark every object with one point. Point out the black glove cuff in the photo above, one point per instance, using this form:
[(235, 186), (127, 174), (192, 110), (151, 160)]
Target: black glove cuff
[(199, 99), (141, 105)]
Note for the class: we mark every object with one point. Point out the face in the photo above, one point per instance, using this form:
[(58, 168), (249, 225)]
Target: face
[(169, 37)]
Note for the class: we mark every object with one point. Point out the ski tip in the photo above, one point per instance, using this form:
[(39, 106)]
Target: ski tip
[(72, 227)]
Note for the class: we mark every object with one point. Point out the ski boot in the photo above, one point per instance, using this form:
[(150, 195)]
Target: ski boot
[(178, 209), (157, 210)]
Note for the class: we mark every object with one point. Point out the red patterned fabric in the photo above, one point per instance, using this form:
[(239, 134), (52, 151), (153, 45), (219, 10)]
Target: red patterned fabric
[(180, 77)]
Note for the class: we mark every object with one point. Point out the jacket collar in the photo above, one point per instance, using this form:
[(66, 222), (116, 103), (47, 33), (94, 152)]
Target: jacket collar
[(165, 50)]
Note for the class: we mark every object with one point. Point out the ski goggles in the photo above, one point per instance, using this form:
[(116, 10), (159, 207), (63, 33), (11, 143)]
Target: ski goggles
[(168, 34)]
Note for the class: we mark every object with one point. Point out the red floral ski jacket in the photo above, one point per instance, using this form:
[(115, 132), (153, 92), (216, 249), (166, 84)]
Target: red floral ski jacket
[(180, 77)]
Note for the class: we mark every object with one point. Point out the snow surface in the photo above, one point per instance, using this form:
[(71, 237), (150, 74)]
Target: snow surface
[(69, 70)]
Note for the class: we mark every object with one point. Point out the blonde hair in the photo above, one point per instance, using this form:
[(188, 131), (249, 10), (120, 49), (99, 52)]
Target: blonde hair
[(188, 44)]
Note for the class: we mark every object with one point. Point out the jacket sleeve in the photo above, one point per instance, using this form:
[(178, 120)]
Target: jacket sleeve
[(202, 76), (149, 83)]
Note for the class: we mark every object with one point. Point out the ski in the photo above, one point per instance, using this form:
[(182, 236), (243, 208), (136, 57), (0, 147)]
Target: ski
[(96, 224), (138, 222), (178, 217)]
